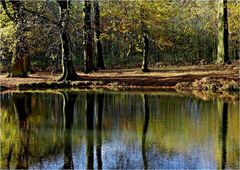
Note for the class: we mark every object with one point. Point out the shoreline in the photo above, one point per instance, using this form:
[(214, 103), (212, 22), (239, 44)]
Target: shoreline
[(206, 78)]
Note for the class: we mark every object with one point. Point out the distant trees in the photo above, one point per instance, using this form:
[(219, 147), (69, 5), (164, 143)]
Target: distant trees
[(111, 33), (223, 34), (20, 60), (88, 38), (99, 53)]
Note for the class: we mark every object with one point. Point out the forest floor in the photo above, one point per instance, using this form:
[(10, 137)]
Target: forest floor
[(160, 77)]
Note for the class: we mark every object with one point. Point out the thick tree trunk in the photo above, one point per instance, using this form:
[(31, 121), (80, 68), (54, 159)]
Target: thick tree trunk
[(67, 65), (88, 39), (222, 54), (100, 61)]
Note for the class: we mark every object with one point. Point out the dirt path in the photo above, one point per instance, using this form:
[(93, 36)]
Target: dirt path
[(166, 78)]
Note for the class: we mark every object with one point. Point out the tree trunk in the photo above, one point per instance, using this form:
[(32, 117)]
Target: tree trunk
[(67, 65), (88, 39), (100, 61), (222, 54), (237, 51), (145, 50)]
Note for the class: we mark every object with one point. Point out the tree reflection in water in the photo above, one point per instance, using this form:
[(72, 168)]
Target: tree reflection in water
[(100, 99), (39, 130), (145, 128), (224, 134), (22, 108), (89, 123), (68, 108)]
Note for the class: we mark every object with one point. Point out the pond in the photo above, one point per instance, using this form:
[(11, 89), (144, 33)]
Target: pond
[(124, 130)]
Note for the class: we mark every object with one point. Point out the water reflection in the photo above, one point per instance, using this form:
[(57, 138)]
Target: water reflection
[(117, 130), (90, 135), (22, 108), (100, 100), (68, 108), (145, 128), (224, 134)]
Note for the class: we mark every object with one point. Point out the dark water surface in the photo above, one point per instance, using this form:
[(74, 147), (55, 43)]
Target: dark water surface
[(109, 130)]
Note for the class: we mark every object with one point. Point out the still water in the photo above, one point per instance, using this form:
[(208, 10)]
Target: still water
[(163, 130)]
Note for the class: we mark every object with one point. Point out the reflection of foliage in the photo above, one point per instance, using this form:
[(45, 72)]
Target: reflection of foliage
[(8, 137), (177, 124), (43, 134)]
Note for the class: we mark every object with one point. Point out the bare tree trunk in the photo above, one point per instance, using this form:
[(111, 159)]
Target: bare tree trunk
[(88, 39), (145, 50), (145, 42), (222, 55), (237, 51), (100, 61), (67, 65)]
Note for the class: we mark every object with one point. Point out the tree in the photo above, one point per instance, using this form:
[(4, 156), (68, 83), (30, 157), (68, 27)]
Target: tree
[(88, 38), (20, 60), (68, 72), (100, 61), (145, 49), (145, 42), (183, 31), (222, 54)]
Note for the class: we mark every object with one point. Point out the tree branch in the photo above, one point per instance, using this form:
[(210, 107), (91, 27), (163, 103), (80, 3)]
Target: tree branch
[(41, 16), (6, 10)]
